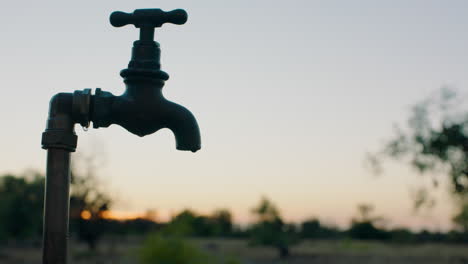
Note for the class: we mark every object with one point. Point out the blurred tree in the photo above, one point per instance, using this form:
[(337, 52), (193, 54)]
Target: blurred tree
[(22, 199), (217, 224), (436, 139), (365, 213), (311, 228), (185, 223), (270, 229), (21, 205), (159, 248), (88, 203), (314, 229), (364, 225), (171, 246), (461, 217), (222, 220), (401, 235)]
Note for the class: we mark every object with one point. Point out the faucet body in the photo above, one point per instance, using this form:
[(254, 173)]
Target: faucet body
[(141, 109)]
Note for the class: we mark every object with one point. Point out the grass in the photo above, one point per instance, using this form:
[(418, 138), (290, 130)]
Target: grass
[(123, 251)]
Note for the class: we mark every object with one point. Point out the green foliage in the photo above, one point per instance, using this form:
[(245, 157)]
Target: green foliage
[(222, 220), (266, 211), (401, 235), (21, 204), (366, 231), (160, 249), (311, 229), (436, 139), (86, 195), (365, 214), (314, 229), (217, 224), (461, 217), (88, 203), (364, 225), (181, 225), (170, 246), (270, 230)]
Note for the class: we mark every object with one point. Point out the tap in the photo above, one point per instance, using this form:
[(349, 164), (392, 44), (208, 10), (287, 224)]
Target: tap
[(142, 108)]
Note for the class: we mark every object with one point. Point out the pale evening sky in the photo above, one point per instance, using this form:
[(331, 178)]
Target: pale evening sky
[(289, 96)]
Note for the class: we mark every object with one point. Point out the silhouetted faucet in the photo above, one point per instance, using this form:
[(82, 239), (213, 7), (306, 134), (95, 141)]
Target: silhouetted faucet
[(141, 109)]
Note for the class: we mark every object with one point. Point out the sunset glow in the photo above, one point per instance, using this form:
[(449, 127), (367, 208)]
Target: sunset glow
[(128, 215), (86, 215)]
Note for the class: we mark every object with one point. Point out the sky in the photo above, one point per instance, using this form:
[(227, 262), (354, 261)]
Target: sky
[(289, 96)]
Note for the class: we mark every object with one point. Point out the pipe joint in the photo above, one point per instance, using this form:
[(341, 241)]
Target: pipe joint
[(65, 110), (81, 107), (102, 108)]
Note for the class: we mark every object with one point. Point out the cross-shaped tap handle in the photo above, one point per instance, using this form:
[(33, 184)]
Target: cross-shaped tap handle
[(148, 19), (154, 17)]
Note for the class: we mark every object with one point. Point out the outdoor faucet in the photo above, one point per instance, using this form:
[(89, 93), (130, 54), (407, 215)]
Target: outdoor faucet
[(141, 109)]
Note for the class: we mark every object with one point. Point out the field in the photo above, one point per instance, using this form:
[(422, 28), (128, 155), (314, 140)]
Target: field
[(122, 251)]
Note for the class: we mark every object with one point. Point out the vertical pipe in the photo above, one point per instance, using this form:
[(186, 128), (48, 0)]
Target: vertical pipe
[(56, 207)]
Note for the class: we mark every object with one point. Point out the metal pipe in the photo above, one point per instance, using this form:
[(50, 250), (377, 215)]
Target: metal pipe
[(56, 211), (60, 140)]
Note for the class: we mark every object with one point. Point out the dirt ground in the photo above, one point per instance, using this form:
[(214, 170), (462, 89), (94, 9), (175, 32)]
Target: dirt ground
[(122, 251)]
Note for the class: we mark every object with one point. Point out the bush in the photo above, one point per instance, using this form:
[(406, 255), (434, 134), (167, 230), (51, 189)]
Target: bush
[(271, 230), (367, 231), (159, 249), (170, 246)]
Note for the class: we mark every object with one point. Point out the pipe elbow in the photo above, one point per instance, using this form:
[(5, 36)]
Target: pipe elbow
[(60, 112), (60, 104), (184, 126), (59, 131)]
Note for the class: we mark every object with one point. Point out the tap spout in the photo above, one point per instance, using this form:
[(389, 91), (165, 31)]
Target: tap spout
[(184, 126)]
